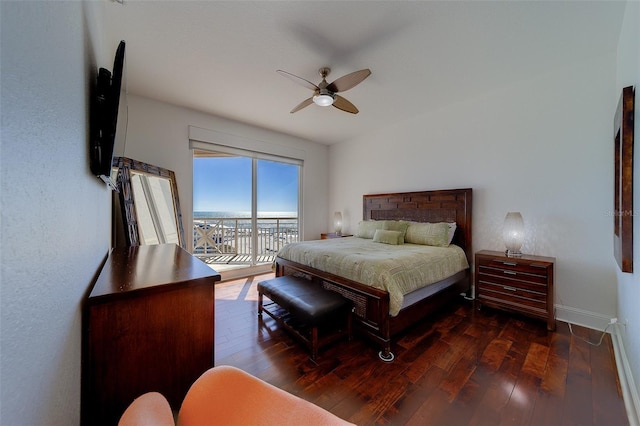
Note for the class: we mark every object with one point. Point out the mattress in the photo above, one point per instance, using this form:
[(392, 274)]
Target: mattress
[(397, 269)]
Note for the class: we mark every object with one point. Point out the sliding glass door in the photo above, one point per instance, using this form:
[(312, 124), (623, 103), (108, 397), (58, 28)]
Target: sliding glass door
[(245, 208)]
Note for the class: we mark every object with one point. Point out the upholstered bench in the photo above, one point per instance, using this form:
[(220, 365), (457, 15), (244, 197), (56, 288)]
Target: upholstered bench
[(306, 308)]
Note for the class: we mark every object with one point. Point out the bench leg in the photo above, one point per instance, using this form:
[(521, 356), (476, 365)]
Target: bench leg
[(260, 304)]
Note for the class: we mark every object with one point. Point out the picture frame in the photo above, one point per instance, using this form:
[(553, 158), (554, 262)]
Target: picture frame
[(623, 180)]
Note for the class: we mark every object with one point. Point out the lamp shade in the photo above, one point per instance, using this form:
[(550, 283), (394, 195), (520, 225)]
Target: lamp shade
[(337, 223), (513, 233)]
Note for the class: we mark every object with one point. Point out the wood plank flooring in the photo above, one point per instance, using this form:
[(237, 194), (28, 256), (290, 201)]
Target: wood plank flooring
[(462, 366)]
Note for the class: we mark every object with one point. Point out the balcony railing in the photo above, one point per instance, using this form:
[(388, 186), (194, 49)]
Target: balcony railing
[(231, 239)]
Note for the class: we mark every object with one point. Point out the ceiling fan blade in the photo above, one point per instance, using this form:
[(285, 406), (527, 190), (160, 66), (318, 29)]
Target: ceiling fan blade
[(348, 81), (302, 104), (344, 105), (301, 81)]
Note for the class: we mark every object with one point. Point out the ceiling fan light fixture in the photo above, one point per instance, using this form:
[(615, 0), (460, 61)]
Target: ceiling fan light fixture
[(323, 100), (326, 94)]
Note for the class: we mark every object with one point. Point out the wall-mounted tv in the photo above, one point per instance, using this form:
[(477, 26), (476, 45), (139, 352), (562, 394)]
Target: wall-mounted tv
[(104, 118)]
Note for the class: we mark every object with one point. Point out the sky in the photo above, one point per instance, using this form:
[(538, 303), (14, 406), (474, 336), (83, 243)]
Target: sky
[(224, 184)]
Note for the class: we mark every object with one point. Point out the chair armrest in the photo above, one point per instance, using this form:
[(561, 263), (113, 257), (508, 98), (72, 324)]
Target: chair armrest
[(227, 395)]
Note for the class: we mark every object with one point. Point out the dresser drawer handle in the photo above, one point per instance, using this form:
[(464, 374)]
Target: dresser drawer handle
[(510, 272), (506, 287), (509, 263)]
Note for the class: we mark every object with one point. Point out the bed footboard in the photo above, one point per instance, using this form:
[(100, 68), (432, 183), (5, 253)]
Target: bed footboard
[(371, 305)]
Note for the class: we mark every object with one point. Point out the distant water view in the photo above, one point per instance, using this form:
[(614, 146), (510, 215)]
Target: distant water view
[(223, 181), (223, 214), (266, 220)]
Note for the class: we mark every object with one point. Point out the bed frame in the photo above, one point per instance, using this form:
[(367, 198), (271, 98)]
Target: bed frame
[(372, 305)]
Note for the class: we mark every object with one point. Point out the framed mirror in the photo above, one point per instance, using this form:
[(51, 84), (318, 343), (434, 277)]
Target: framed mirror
[(623, 211), (146, 207)]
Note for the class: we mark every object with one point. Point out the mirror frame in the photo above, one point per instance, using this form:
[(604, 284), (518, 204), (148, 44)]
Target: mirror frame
[(123, 167), (623, 180)]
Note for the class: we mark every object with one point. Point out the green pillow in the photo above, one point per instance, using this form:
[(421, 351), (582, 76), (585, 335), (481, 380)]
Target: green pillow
[(386, 237), (397, 225), (367, 228), (430, 234)]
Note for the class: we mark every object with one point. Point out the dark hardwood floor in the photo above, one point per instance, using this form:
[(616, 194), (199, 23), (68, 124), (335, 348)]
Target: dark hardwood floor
[(461, 366)]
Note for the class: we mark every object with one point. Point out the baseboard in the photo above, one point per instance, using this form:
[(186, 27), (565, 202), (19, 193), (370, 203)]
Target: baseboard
[(600, 322), (581, 317), (627, 383)]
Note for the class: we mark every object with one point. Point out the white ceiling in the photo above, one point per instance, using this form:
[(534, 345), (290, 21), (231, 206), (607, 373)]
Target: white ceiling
[(221, 57)]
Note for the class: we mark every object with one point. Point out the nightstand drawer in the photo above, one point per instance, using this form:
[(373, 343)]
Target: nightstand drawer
[(514, 293), (535, 268), (328, 235), (514, 305), (512, 283), (509, 274)]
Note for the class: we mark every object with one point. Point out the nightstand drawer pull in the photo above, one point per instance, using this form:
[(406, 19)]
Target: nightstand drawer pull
[(510, 272), (510, 263), (506, 287)]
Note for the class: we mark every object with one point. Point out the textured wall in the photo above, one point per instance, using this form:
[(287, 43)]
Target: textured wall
[(540, 147), (158, 134), (629, 284), (55, 227)]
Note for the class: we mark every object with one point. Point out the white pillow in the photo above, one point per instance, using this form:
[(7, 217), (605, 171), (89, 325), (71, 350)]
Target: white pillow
[(452, 230)]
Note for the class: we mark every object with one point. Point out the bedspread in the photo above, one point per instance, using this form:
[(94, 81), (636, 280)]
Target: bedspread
[(397, 269)]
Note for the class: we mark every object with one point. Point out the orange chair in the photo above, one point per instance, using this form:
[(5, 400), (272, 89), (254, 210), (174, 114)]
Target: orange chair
[(226, 395), (149, 409)]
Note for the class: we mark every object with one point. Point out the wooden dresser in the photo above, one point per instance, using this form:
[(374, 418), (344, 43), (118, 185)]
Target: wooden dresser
[(519, 284), (148, 325)]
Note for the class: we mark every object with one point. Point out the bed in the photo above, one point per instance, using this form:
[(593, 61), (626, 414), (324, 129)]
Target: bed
[(374, 315)]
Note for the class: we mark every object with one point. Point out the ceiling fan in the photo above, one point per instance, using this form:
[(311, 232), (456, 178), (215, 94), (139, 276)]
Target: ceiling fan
[(326, 93)]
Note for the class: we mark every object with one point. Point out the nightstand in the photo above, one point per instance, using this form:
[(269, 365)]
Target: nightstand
[(327, 235), (521, 284)]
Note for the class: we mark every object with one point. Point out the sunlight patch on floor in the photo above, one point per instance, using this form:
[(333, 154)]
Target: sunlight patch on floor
[(244, 289)]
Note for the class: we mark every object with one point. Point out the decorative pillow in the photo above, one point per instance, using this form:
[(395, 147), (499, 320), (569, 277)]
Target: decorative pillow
[(452, 230), (367, 228), (430, 234), (397, 225), (386, 237)]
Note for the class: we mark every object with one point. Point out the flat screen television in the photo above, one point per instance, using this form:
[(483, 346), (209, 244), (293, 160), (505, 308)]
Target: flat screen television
[(104, 118)]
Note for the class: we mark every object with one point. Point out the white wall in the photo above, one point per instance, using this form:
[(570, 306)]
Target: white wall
[(55, 226), (158, 133), (628, 74), (542, 147)]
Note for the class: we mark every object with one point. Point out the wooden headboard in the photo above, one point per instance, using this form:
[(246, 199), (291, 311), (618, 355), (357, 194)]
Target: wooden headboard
[(451, 205)]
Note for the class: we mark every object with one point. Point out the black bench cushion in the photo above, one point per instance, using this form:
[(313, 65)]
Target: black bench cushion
[(305, 300)]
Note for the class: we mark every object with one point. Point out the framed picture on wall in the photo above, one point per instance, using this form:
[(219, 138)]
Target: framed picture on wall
[(623, 181)]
